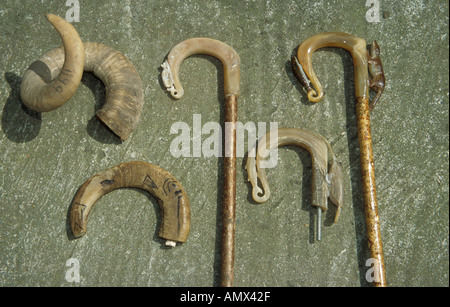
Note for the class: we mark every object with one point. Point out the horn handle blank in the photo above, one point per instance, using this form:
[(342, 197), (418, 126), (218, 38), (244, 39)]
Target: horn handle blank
[(169, 192)]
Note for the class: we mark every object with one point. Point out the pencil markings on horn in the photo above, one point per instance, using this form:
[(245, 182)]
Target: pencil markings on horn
[(174, 204)]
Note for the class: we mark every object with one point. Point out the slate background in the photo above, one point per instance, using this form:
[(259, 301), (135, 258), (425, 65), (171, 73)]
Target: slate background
[(46, 157)]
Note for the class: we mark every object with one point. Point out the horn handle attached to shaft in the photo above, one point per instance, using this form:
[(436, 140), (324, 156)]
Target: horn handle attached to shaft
[(231, 68)]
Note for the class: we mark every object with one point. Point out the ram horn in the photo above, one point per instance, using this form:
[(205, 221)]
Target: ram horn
[(168, 191), (124, 90), (231, 70), (48, 84)]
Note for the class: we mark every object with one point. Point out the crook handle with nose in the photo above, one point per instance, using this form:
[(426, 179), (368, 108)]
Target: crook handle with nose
[(201, 45), (325, 182), (363, 63)]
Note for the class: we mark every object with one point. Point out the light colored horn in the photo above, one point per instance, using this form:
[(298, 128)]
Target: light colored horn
[(42, 89), (313, 143), (231, 70), (324, 184), (202, 45), (169, 192)]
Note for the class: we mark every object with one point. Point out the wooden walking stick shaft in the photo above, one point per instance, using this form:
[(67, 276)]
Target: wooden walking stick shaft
[(369, 191), (229, 193), (231, 70), (363, 62)]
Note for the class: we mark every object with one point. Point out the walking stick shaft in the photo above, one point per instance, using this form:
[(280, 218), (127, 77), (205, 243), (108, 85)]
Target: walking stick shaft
[(229, 193), (369, 191)]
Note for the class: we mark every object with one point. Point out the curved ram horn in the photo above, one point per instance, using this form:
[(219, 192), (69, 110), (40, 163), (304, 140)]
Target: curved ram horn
[(43, 89), (169, 192), (326, 183), (124, 90)]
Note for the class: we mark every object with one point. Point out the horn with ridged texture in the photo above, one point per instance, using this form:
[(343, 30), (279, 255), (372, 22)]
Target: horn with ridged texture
[(124, 90)]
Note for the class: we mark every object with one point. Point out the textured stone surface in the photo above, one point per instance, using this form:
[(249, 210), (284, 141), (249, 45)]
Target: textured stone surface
[(46, 157)]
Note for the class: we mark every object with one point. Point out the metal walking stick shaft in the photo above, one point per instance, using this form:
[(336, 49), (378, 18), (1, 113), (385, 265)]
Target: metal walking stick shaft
[(363, 62)]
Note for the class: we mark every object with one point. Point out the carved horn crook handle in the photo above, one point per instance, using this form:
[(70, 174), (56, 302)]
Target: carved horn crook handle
[(201, 45), (357, 48), (326, 183), (231, 63), (367, 65)]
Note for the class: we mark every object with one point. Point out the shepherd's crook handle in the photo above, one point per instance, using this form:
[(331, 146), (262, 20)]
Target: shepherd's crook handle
[(201, 45), (171, 196), (327, 182)]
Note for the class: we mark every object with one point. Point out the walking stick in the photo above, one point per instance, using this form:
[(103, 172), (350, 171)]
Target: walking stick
[(363, 62), (231, 63)]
